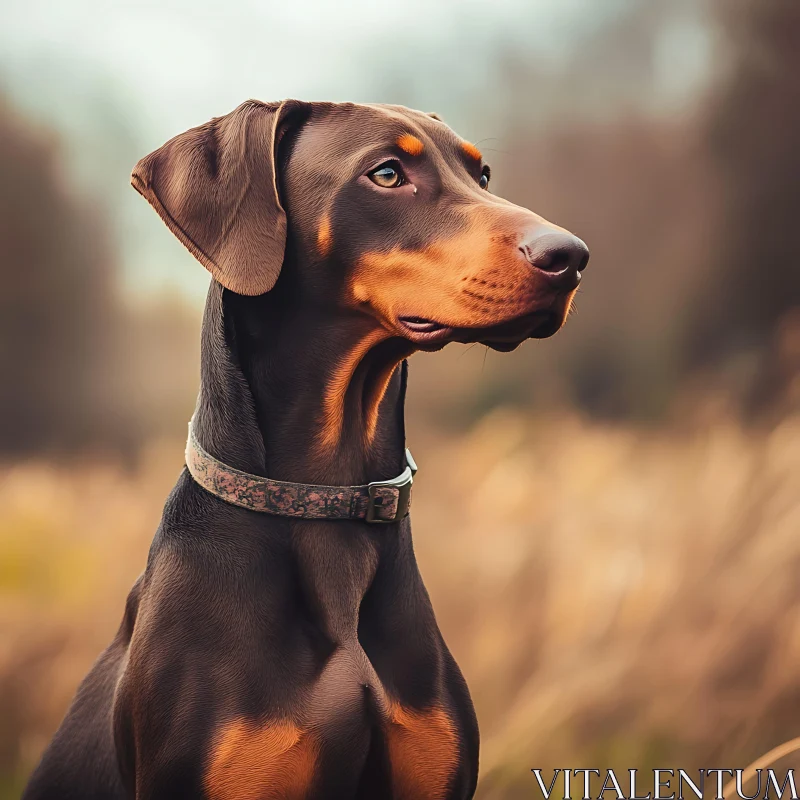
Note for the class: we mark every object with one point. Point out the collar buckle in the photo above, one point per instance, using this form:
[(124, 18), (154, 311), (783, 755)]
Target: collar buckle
[(402, 483)]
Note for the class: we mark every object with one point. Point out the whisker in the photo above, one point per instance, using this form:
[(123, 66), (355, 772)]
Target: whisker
[(464, 352), (492, 149)]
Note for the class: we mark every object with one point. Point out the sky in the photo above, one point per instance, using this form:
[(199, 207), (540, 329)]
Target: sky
[(179, 62)]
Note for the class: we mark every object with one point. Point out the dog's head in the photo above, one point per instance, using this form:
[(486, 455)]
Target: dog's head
[(386, 211)]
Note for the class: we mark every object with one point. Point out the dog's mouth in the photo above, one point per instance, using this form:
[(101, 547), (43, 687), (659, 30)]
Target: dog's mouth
[(423, 326), (429, 334)]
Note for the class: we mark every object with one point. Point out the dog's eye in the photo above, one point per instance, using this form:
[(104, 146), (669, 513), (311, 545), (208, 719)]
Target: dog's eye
[(483, 181), (388, 176)]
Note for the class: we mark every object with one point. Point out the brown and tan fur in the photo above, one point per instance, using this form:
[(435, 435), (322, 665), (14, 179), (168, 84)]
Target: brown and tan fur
[(264, 657)]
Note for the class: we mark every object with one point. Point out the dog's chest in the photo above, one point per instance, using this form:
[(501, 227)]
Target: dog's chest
[(281, 759), (336, 568), (324, 739)]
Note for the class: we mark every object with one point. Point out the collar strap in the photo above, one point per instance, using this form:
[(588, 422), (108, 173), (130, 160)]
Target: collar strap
[(379, 501)]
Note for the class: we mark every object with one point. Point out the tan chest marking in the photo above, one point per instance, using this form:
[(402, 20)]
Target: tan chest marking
[(423, 752), (250, 761)]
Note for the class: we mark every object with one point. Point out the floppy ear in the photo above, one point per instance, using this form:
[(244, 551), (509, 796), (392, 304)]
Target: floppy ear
[(216, 188)]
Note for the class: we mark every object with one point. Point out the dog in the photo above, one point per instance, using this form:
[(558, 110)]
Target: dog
[(280, 642)]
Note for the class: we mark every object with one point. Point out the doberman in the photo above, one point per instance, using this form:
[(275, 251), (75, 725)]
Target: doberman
[(295, 654)]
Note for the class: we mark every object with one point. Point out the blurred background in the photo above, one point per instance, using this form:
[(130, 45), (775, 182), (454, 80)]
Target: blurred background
[(634, 601)]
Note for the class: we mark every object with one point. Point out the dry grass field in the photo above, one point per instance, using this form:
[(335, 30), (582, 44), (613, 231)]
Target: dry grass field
[(616, 596)]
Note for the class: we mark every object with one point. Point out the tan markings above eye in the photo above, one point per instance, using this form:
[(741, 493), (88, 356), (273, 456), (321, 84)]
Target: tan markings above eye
[(410, 144), (472, 151)]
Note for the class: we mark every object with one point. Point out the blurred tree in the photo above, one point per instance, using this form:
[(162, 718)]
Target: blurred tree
[(57, 304), (753, 136)]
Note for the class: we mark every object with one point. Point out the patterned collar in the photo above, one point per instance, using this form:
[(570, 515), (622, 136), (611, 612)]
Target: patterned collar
[(379, 501)]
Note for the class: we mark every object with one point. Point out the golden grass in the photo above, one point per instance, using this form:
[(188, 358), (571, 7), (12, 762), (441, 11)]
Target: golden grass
[(619, 596)]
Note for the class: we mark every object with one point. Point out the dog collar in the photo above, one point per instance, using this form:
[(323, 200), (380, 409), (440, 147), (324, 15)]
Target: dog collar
[(379, 501)]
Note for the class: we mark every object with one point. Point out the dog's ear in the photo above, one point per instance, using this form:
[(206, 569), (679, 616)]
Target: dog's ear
[(216, 187)]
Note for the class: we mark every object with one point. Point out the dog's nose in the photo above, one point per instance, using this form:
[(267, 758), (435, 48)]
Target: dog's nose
[(561, 255)]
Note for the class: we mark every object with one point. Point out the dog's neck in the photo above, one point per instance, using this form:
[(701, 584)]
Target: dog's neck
[(300, 394)]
